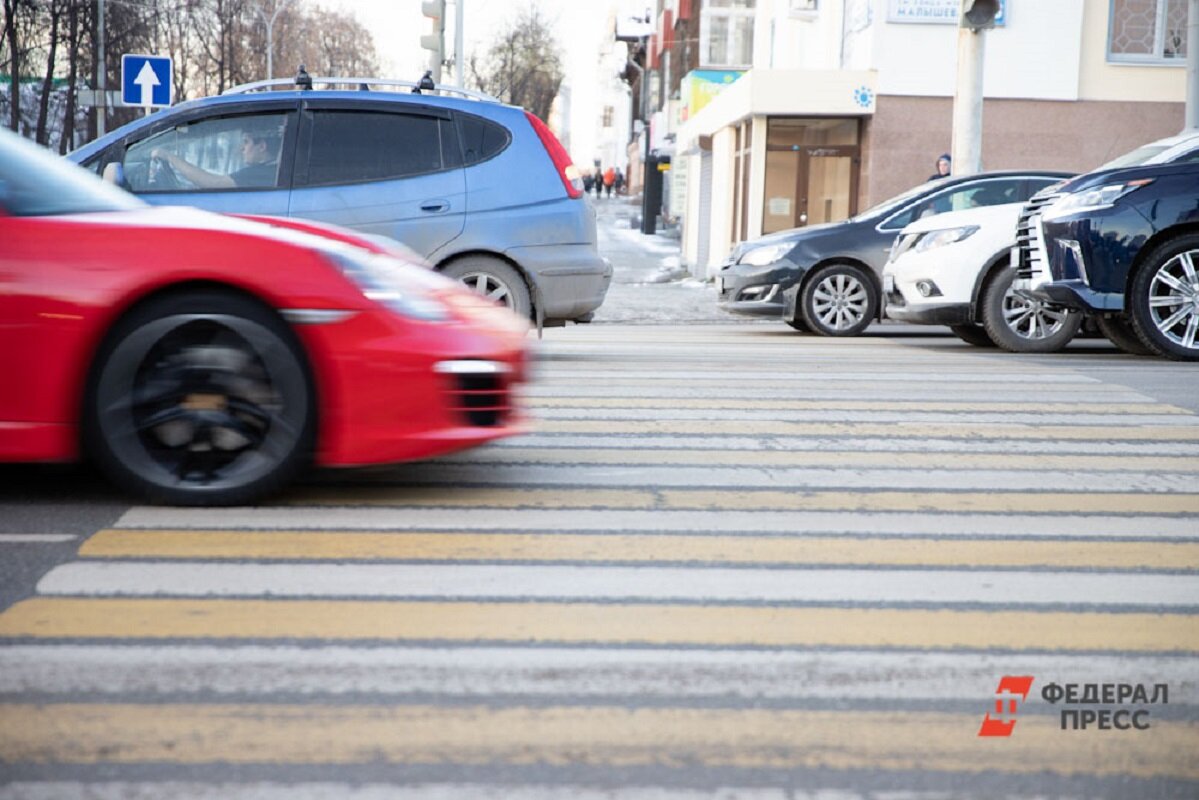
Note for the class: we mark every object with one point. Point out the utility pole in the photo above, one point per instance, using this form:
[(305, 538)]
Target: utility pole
[(459, 50), (977, 16), (1192, 105), (101, 73)]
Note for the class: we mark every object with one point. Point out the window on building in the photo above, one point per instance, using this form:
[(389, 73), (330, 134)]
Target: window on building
[(1147, 31), (726, 33), (608, 112)]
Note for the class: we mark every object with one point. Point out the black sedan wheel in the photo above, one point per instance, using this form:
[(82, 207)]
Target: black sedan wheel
[(839, 301), (1165, 299), (201, 399), (1021, 323)]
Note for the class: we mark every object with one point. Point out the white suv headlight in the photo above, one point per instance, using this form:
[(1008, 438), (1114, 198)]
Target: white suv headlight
[(767, 254), (934, 239), (1094, 199)]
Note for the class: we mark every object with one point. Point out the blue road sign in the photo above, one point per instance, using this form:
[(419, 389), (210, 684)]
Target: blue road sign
[(145, 80)]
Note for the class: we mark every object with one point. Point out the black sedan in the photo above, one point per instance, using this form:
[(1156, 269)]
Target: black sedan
[(1122, 246), (828, 278)]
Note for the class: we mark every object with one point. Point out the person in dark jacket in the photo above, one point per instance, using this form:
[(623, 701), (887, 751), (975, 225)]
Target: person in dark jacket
[(944, 167)]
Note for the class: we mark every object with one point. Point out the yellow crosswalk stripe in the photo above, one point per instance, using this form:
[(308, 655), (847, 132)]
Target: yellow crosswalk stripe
[(597, 623), (963, 430), (70, 733), (641, 548), (758, 500)]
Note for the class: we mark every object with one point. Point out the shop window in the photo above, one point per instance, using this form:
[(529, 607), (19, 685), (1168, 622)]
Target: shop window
[(726, 33), (785, 132), (1147, 31)]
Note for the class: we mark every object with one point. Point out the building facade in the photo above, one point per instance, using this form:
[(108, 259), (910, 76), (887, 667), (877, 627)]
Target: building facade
[(823, 108)]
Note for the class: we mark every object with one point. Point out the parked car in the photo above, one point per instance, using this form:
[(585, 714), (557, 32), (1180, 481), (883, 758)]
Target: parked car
[(484, 191), (828, 278), (1029, 257), (955, 269), (1122, 246), (204, 359)]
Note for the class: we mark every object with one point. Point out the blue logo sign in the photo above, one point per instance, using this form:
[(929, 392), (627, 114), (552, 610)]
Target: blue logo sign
[(145, 80)]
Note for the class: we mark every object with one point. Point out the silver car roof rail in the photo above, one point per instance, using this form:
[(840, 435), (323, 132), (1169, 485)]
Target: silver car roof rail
[(246, 88)]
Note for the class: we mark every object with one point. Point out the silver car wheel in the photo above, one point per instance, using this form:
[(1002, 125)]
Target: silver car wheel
[(840, 301), (1031, 318), (489, 286), (1174, 299)]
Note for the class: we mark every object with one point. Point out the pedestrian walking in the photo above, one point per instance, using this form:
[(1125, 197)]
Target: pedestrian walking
[(618, 184), (609, 179), (599, 181)]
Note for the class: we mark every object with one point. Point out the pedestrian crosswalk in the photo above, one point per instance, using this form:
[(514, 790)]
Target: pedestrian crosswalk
[(724, 563)]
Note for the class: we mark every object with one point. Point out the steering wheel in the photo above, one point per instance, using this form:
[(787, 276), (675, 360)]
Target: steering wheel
[(162, 174)]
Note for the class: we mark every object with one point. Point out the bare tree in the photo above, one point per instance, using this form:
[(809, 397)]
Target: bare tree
[(214, 44), (523, 65), (12, 38), (43, 108)]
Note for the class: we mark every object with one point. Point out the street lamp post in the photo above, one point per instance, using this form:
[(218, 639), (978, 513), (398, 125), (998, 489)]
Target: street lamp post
[(270, 33)]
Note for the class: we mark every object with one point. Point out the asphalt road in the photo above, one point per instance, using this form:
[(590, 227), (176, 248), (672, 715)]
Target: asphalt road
[(728, 561)]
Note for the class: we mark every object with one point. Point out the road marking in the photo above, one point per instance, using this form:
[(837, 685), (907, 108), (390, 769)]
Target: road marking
[(852, 459), (597, 623), (608, 520), (899, 430), (951, 448), (1044, 421), (759, 500), (1020, 406), (36, 538), (294, 790), (463, 671), (826, 586), (691, 376), (668, 476), (349, 545), (612, 736)]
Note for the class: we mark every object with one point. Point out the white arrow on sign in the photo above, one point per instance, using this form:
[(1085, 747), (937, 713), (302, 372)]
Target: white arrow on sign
[(147, 80)]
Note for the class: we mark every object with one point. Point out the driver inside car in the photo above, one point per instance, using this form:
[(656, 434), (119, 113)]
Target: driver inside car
[(260, 158)]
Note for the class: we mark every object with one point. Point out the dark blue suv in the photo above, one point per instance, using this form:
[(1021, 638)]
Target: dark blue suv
[(484, 191), (1122, 245)]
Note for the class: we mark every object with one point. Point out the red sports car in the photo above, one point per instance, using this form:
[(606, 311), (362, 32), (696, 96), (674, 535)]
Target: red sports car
[(204, 359)]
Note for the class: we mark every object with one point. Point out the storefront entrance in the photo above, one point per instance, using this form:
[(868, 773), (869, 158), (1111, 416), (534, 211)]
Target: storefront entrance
[(812, 168)]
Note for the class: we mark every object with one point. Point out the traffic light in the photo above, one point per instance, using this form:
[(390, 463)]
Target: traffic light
[(434, 42), (979, 15)]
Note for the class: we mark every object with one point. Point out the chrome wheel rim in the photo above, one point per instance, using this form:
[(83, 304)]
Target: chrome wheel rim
[(840, 301), (1032, 318), (1174, 299), (489, 286)]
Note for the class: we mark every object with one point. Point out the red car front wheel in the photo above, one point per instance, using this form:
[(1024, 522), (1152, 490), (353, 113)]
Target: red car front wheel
[(201, 398)]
